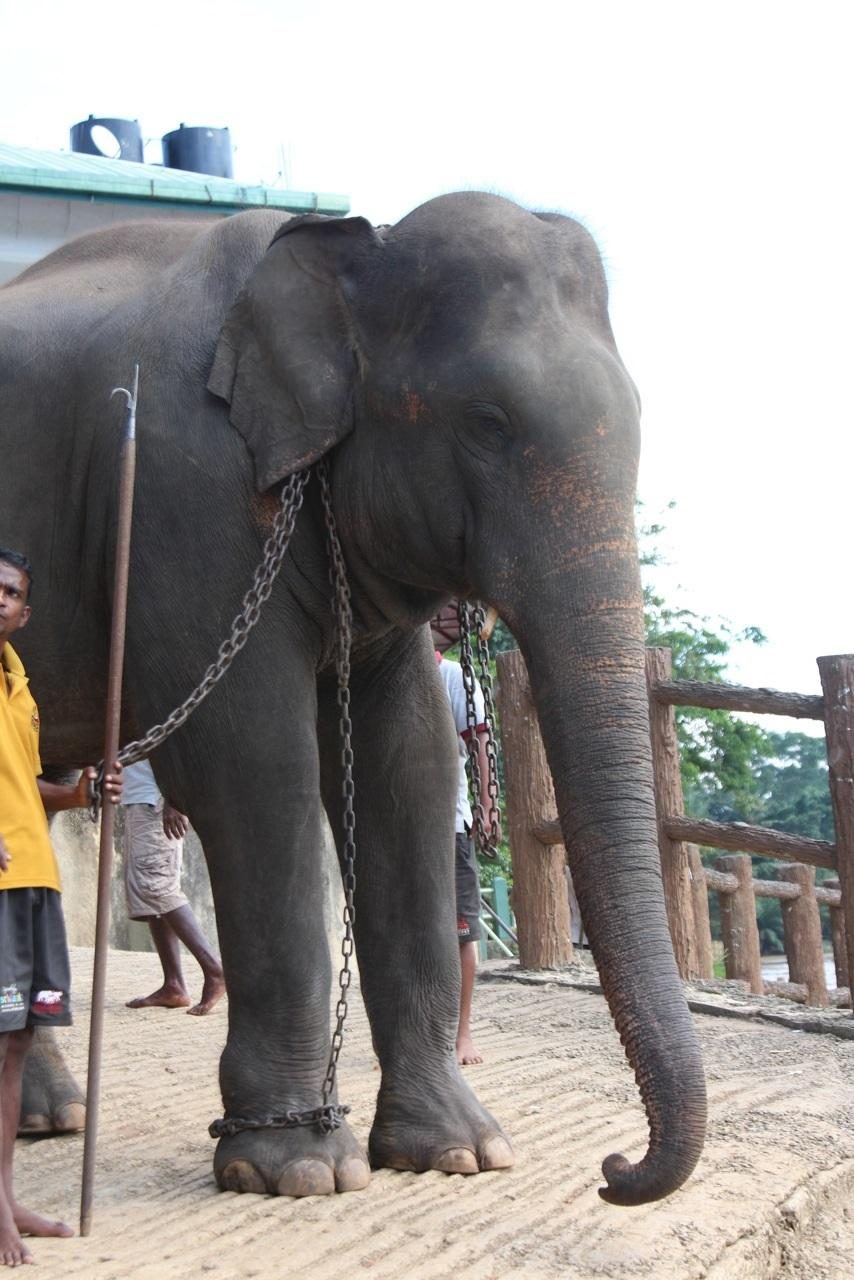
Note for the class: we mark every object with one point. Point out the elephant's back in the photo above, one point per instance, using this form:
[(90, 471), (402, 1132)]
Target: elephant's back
[(153, 290), (101, 270)]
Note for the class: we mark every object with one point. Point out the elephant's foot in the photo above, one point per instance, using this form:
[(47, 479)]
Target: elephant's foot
[(440, 1125), (291, 1162), (51, 1101)]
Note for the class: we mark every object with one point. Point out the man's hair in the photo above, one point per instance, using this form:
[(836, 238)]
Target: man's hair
[(18, 561)]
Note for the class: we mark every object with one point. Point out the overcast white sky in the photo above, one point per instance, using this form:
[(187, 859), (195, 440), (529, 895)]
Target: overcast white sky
[(707, 146)]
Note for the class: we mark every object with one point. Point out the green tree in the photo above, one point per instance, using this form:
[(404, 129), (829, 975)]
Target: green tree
[(733, 770), (718, 751), (794, 786)]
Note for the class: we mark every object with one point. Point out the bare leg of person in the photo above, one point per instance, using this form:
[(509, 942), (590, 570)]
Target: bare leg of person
[(187, 928), (173, 993), (467, 1054), (15, 1220)]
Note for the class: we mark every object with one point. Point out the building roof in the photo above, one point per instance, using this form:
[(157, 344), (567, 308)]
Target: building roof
[(99, 178)]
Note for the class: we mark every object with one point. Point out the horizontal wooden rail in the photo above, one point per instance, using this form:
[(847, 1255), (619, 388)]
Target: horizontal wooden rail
[(742, 838), (733, 697), (832, 897), (723, 882), (775, 889), (739, 837), (720, 881)]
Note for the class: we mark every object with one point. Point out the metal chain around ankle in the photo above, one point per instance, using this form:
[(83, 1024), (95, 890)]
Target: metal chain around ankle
[(326, 1119), (472, 620), (343, 639)]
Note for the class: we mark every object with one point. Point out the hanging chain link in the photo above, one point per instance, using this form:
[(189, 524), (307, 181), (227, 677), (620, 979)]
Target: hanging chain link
[(293, 491), (343, 638), (472, 622)]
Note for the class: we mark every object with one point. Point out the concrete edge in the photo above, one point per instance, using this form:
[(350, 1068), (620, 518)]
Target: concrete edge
[(833, 1023), (760, 1254)]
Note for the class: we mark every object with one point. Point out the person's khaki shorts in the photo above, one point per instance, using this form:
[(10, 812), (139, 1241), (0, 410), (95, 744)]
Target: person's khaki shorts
[(152, 863)]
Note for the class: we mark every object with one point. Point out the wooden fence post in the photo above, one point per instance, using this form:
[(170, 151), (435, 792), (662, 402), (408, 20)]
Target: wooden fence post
[(837, 682), (702, 924), (540, 899), (837, 933), (802, 932), (739, 930), (675, 866)]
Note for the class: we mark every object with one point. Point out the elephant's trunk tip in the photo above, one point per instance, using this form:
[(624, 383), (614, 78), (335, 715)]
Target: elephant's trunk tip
[(634, 1184)]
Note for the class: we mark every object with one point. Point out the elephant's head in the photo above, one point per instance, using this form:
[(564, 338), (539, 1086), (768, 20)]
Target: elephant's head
[(487, 443)]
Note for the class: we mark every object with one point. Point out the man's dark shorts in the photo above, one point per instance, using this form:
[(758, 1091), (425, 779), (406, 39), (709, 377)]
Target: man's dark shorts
[(35, 974), (468, 890)]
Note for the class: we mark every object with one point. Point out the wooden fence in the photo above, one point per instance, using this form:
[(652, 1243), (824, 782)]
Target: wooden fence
[(539, 892)]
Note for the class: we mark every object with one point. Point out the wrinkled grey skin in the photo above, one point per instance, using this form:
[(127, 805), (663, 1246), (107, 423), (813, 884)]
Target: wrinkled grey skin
[(459, 371)]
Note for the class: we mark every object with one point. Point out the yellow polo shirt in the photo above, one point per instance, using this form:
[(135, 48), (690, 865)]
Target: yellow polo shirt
[(23, 823)]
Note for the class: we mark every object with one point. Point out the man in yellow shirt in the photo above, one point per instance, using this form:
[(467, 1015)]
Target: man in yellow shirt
[(34, 969)]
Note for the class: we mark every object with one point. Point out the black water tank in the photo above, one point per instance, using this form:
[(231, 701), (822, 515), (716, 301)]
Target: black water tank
[(119, 139), (199, 151)]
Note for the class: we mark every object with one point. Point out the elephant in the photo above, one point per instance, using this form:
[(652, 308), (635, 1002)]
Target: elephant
[(457, 375)]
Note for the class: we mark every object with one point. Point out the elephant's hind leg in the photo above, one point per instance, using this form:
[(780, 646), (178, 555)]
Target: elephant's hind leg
[(51, 1101)]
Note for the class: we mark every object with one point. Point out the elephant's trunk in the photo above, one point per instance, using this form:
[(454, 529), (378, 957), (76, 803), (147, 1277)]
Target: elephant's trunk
[(580, 629)]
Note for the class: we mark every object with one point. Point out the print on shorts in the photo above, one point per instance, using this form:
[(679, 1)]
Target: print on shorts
[(11, 1000), (47, 1003)]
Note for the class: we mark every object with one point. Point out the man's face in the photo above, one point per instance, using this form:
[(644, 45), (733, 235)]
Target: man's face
[(14, 610)]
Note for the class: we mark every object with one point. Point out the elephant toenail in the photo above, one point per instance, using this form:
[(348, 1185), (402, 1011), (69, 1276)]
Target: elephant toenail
[(71, 1118), (457, 1160), (497, 1154), (240, 1175), (34, 1124), (352, 1174), (306, 1178)]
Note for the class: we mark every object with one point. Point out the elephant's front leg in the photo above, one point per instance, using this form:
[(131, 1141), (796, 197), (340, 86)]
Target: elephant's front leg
[(263, 841), (406, 773)]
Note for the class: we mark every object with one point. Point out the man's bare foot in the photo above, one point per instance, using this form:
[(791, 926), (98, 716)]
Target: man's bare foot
[(162, 998), (33, 1224), (212, 991), (13, 1251), (467, 1054)]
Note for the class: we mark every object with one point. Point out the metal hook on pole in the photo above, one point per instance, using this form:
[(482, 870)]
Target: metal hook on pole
[(131, 397), (127, 468)]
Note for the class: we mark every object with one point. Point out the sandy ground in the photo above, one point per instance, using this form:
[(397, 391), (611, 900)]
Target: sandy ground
[(770, 1197)]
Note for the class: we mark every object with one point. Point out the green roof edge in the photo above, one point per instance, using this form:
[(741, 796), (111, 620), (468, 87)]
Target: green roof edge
[(207, 193)]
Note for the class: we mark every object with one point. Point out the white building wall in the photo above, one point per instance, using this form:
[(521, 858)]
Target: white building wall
[(34, 225)]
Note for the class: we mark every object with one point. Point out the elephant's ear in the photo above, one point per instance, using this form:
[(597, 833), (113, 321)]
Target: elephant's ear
[(287, 354)]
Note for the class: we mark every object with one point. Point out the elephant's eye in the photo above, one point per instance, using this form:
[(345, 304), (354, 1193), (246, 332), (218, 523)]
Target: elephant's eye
[(488, 425)]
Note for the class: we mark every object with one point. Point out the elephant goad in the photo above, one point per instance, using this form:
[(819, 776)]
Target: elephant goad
[(459, 373)]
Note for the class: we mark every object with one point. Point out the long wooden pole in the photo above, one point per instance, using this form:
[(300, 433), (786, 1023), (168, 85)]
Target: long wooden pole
[(837, 681), (540, 897), (127, 468), (667, 779)]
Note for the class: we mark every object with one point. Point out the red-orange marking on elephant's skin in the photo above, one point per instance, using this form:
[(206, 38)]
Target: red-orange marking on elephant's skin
[(413, 406), (264, 508)]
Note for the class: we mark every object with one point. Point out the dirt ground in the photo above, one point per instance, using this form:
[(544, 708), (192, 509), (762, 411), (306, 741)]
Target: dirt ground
[(770, 1198)]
